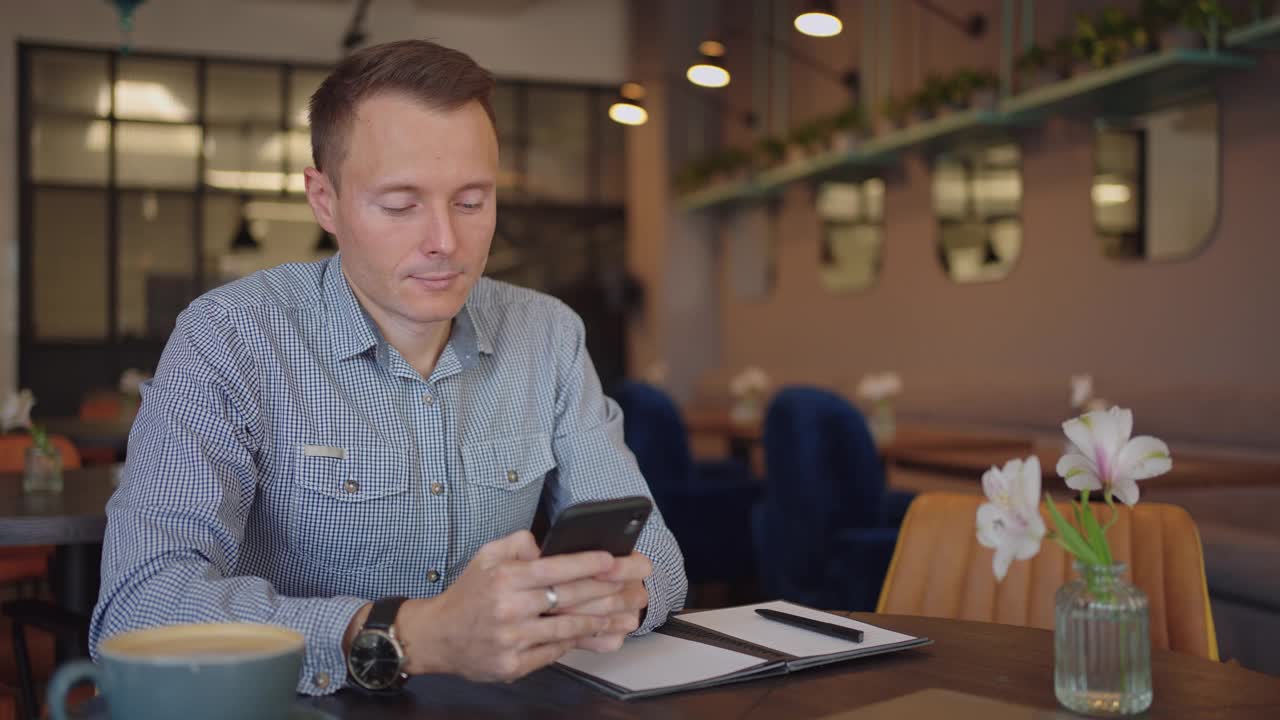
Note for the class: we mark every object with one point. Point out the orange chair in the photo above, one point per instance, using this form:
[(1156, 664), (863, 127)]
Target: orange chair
[(102, 405), (26, 564), (108, 405), (940, 570), (13, 451)]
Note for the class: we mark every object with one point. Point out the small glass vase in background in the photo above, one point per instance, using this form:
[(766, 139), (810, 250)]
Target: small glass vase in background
[(42, 471), (746, 410), (882, 423), (1102, 643)]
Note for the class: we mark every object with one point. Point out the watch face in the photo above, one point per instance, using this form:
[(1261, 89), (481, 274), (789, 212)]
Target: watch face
[(374, 661)]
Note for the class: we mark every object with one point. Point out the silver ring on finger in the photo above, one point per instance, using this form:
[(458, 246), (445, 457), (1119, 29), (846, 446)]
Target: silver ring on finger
[(553, 599)]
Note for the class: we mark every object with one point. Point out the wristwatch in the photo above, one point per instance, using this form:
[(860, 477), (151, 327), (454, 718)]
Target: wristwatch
[(376, 658)]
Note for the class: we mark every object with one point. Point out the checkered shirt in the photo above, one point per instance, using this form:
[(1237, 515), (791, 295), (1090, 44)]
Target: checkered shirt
[(288, 465)]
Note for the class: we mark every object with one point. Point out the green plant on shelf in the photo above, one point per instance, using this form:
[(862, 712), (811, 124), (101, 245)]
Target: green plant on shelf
[(769, 151), (725, 165), (1063, 54), (1260, 9), (1202, 17), (691, 177), (851, 118), (897, 110), (1033, 59), (808, 136), (962, 88), (1120, 35), (931, 96), (1039, 65)]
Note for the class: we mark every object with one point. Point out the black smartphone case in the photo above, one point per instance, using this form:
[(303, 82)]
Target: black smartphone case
[(610, 525)]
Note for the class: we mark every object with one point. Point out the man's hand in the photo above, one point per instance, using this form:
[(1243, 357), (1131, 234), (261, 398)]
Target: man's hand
[(492, 623), (622, 608)]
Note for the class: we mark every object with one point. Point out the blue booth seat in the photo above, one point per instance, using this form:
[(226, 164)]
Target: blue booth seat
[(707, 505), (826, 527)]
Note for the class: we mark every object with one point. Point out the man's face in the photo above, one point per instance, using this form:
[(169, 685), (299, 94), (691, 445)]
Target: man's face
[(416, 208)]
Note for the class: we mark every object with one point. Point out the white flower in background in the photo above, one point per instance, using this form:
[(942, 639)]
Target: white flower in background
[(1081, 390), (879, 386), (131, 381), (1102, 456), (15, 412), (1011, 523), (655, 374), (751, 382)]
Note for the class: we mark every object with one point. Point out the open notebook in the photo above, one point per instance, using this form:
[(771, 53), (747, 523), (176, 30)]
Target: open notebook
[(714, 647)]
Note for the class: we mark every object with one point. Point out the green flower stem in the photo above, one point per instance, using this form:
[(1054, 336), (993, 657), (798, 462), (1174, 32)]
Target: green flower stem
[(40, 438)]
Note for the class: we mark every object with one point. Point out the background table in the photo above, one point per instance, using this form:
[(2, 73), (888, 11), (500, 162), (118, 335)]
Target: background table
[(1190, 469), (998, 661), (73, 520), (93, 435)]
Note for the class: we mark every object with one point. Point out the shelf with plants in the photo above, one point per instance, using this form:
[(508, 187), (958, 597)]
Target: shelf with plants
[(1140, 84), (1108, 65), (1261, 35)]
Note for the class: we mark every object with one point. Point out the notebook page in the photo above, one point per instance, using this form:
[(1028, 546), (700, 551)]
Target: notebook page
[(656, 661), (743, 622)]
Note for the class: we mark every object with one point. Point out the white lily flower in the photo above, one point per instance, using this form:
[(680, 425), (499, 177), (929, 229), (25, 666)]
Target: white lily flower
[(656, 374), (751, 381), (131, 381), (15, 413), (1102, 455), (1081, 390), (879, 386), (1011, 523)]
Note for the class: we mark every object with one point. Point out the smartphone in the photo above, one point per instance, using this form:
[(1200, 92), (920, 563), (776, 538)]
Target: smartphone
[(609, 525)]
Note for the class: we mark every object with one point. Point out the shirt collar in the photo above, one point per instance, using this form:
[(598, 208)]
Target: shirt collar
[(357, 333)]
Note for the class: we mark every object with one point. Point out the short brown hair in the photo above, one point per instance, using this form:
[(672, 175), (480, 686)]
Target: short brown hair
[(440, 77)]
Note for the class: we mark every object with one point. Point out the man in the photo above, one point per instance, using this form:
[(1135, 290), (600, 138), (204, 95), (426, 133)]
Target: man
[(382, 425)]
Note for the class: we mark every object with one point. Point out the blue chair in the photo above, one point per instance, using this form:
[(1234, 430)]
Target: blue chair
[(707, 505), (826, 528)]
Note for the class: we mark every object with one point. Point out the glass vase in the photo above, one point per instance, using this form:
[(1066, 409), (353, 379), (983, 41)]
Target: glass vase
[(42, 471), (1102, 643), (746, 410), (882, 423)]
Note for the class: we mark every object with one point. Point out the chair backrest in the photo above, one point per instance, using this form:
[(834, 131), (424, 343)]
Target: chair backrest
[(940, 570), (13, 450), (823, 474), (101, 405), (655, 433)]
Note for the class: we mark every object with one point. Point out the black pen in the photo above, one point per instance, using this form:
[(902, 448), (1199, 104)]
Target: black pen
[(826, 628)]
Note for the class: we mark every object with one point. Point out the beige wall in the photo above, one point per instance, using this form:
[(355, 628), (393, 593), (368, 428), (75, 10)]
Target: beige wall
[(566, 40), (1188, 345)]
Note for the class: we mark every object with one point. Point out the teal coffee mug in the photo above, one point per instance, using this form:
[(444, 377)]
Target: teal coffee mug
[(191, 672)]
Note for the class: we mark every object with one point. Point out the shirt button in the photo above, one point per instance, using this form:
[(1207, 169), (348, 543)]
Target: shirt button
[(320, 680), (513, 476), (433, 576), (351, 486), (427, 399), (437, 488)]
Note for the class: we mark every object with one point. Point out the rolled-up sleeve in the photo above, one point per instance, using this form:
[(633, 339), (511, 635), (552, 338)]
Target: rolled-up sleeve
[(176, 525), (594, 463)]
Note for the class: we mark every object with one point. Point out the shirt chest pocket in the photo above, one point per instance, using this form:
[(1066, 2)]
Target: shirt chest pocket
[(350, 506), (508, 468)]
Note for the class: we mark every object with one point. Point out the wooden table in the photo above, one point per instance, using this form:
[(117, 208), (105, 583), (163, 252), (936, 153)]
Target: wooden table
[(1189, 469), (107, 434), (73, 520), (1005, 662), (743, 439)]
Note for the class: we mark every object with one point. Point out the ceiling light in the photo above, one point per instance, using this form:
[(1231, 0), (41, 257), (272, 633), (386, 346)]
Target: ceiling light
[(819, 21), (628, 112), (628, 109)]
